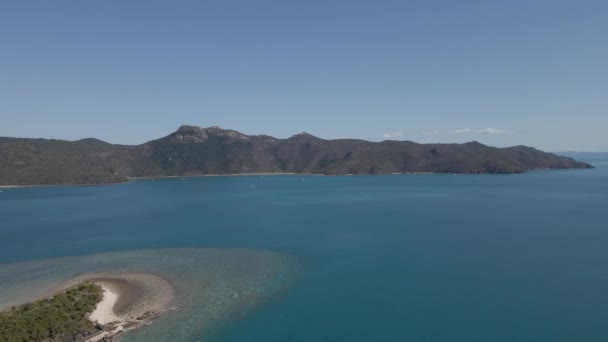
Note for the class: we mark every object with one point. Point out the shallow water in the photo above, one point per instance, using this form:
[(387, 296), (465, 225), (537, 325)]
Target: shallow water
[(383, 258), (209, 284)]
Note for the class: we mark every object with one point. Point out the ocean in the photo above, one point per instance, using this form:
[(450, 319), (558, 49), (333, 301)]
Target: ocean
[(428, 257)]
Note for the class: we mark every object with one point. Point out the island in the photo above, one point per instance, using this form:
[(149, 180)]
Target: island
[(60, 318), (168, 294), (192, 151), (89, 308)]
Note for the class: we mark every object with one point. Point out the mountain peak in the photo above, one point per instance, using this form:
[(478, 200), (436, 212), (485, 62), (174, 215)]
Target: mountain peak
[(226, 133), (305, 135), (196, 134), (93, 141), (189, 134), (475, 143), (188, 129)]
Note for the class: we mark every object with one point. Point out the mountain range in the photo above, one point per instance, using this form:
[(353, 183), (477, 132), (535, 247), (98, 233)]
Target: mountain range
[(193, 150)]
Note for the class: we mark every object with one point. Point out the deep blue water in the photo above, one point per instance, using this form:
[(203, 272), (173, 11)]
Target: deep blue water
[(383, 258)]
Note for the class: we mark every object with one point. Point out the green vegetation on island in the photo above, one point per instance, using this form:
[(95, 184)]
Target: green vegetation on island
[(201, 151), (61, 318)]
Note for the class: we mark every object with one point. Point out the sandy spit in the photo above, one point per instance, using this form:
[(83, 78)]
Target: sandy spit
[(130, 301)]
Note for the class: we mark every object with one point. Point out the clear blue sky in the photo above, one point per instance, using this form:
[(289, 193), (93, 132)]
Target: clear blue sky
[(500, 72)]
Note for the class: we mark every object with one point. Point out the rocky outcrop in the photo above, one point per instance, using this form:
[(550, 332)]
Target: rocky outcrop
[(189, 134)]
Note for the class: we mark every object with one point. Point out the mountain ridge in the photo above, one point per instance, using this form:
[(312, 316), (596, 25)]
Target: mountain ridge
[(193, 150)]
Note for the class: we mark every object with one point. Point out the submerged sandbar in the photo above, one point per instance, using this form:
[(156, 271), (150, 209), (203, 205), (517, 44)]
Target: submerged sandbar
[(196, 290)]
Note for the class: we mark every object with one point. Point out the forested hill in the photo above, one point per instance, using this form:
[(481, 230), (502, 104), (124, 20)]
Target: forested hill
[(194, 150)]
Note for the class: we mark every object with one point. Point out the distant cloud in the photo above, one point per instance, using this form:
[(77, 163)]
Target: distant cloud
[(460, 131), (487, 130), (393, 135), (492, 131)]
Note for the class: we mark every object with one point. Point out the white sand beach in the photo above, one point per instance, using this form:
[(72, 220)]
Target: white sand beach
[(104, 312), (130, 300)]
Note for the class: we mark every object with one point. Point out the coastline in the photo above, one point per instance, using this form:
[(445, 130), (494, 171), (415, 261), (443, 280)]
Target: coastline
[(53, 185), (12, 186), (104, 311), (130, 301), (135, 179), (206, 288)]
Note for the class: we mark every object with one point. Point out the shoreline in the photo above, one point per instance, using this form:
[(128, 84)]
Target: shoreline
[(104, 311), (270, 174), (55, 185), (104, 314), (201, 289), (135, 179), (130, 301)]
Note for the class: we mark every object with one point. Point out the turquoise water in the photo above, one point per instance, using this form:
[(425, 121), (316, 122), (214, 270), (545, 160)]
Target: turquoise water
[(209, 284), (383, 258)]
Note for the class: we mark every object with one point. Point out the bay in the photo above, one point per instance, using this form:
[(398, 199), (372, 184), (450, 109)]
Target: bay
[(381, 258)]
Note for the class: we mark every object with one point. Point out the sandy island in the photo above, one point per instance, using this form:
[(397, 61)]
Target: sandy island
[(197, 290), (130, 300)]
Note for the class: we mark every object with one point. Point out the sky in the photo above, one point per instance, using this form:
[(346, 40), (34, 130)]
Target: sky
[(504, 73)]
